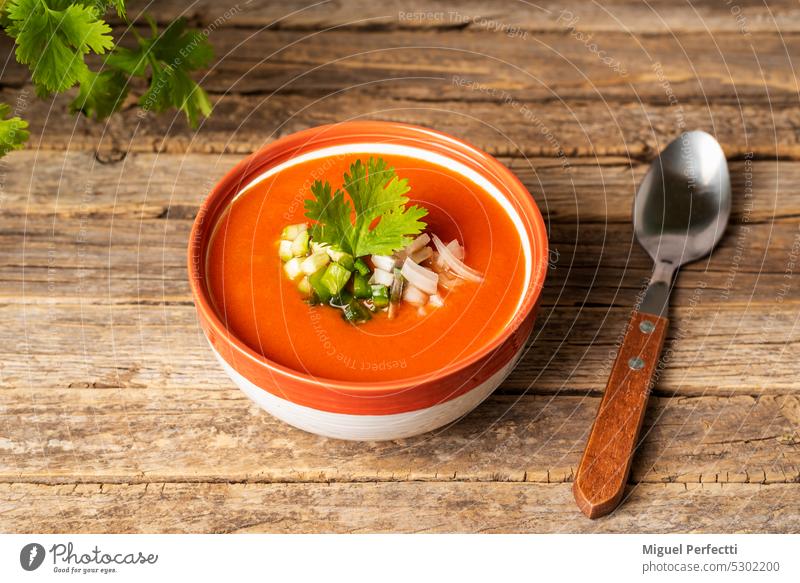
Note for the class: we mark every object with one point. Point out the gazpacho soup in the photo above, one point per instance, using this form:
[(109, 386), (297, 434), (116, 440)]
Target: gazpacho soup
[(366, 266)]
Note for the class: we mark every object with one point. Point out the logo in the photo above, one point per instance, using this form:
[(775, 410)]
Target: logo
[(31, 556)]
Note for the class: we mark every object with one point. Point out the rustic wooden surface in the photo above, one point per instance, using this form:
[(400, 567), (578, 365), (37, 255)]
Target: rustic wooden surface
[(114, 416)]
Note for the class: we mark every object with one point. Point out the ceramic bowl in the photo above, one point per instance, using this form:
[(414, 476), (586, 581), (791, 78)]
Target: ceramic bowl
[(374, 410)]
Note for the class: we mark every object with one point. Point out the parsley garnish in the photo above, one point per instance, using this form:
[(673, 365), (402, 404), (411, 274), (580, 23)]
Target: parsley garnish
[(378, 222), (12, 131), (55, 37)]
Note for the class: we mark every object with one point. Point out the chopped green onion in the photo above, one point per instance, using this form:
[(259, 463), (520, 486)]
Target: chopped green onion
[(335, 278), (292, 268), (291, 232), (342, 258), (300, 244), (314, 263), (355, 312), (361, 267), (304, 286), (361, 287), (319, 247), (380, 296), (285, 250), (320, 289)]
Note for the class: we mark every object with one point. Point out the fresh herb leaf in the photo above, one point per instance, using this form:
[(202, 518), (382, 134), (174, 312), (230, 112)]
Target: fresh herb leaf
[(13, 134), (100, 94), (167, 59), (53, 37), (374, 220)]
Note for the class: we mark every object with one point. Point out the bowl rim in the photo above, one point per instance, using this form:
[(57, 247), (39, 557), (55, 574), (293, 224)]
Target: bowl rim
[(299, 141)]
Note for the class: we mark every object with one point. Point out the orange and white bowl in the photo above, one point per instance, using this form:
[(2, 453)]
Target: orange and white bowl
[(360, 410)]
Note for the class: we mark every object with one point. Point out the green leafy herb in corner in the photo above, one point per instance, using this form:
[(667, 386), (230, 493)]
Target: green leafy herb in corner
[(55, 37), (13, 134), (372, 219)]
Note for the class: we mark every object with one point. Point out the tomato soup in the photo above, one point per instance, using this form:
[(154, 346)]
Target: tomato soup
[(264, 310)]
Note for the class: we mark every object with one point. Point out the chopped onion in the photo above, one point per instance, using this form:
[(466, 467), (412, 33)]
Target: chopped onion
[(448, 281), (381, 277), (417, 244), (419, 276), (457, 249), (453, 263), (383, 262), (414, 295), (436, 301), (421, 255)]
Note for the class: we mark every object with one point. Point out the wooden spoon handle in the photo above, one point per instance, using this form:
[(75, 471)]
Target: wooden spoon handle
[(603, 471)]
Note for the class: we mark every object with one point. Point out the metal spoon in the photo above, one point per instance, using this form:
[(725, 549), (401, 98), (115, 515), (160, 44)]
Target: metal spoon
[(680, 212)]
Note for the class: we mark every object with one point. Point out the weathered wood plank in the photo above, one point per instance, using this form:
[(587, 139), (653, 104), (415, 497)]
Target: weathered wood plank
[(242, 124), (390, 507), (171, 186), (80, 256), (164, 435), (714, 350), (503, 17)]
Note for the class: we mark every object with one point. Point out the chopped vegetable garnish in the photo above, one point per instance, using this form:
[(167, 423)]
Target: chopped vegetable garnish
[(380, 296), (314, 263), (361, 267), (335, 278), (361, 254), (420, 277), (320, 289), (361, 287), (382, 277), (384, 262), (454, 264), (292, 268)]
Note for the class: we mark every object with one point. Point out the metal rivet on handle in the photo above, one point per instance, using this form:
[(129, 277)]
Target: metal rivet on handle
[(646, 326), (636, 363)]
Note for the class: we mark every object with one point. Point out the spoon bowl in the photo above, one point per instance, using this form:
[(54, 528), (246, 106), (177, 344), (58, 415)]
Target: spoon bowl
[(684, 202)]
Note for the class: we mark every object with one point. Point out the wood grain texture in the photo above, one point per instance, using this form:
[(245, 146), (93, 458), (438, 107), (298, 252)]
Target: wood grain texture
[(389, 507), (214, 434), (606, 462), (715, 351), (478, 15), (114, 416)]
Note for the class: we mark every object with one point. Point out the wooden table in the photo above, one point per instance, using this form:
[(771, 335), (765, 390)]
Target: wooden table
[(116, 418)]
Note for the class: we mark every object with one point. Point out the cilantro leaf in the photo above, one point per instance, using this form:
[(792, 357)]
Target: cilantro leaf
[(52, 38), (13, 134), (100, 94), (166, 59), (373, 220)]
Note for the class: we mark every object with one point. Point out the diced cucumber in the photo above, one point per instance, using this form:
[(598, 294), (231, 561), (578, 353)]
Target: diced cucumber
[(292, 268), (320, 290), (319, 247), (361, 267), (300, 244), (361, 287), (304, 286), (353, 311), (342, 258), (314, 263), (380, 296), (291, 232), (285, 250), (335, 278)]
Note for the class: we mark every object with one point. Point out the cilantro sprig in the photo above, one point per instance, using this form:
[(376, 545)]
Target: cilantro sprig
[(55, 37), (370, 216), (13, 132)]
